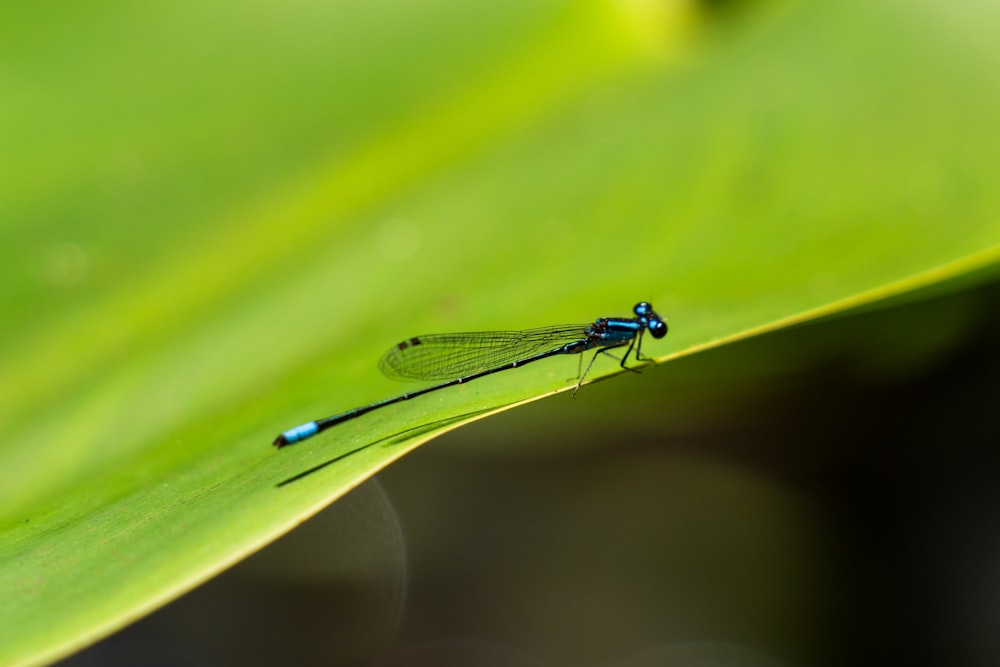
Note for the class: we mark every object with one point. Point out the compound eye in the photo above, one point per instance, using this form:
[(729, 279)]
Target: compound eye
[(642, 309), (657, 328)]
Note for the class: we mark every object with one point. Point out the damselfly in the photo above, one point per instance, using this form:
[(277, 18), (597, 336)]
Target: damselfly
[(461, 357)]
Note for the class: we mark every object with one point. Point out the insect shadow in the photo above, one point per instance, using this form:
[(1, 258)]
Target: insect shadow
[(388, 441)]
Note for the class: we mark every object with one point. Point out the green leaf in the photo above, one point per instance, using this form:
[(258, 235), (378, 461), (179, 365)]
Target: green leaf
[(215, 219)]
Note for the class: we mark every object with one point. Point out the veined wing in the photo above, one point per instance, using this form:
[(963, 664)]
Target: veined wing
[(455, 355)]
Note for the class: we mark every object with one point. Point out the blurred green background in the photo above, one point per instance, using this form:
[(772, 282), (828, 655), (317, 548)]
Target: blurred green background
[(215, 217)]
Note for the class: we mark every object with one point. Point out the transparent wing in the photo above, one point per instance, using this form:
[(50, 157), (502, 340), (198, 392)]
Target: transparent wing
[(450, 356)]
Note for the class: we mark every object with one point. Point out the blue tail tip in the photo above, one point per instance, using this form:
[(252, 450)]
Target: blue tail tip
[(293, 435)]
